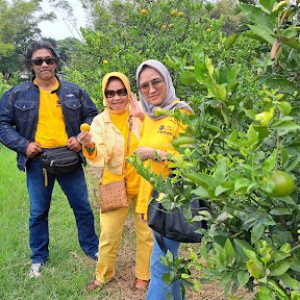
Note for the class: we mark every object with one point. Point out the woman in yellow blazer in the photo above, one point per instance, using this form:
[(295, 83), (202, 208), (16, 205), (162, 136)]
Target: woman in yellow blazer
[(105, 146)]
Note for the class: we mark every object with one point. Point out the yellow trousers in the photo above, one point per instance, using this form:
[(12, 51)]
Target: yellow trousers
[(112, 224)]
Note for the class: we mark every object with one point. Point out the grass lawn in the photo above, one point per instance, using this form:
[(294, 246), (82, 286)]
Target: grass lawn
[(68, 270)]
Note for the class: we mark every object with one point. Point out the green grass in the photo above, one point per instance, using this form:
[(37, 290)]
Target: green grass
[(67, 271)]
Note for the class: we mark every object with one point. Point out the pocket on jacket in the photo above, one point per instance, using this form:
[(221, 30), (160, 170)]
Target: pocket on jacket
[(72, 110), (24, 111)]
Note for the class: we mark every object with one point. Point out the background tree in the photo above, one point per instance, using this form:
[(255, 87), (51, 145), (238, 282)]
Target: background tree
[(18, 28)]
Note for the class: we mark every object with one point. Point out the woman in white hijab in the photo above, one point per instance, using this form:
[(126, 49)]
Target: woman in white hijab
[(156, 92)]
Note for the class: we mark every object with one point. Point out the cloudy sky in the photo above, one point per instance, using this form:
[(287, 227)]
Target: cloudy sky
[(61, 28)]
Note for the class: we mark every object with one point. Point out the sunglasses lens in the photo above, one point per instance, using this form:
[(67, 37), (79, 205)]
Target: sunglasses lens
[(109, 94), (38, 62), (120, 93), (48, 60)]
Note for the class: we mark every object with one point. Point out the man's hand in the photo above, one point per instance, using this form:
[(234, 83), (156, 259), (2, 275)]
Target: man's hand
[(33, 149), (73, 144)]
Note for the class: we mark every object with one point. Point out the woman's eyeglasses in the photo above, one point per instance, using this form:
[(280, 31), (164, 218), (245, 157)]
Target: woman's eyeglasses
[(111, 94), (47, 60), (155, 83)]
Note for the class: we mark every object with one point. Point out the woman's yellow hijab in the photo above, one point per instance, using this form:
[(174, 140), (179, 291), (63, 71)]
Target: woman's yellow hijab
[(119, 75)]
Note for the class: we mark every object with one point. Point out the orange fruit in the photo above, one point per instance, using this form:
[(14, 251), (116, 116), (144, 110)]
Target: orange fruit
[(144, 11), (284, 184), (164, 26), (173, 12), (85, 127), (105, 62), (171, 25), (180, 14), (208, 30)]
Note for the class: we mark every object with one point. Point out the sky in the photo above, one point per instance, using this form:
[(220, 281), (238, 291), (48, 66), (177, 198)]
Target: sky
[(61, 28)]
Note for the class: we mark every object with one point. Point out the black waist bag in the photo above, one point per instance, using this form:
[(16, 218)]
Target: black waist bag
[(59, 160)]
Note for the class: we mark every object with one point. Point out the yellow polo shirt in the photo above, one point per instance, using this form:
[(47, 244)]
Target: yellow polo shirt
[(51, 128)]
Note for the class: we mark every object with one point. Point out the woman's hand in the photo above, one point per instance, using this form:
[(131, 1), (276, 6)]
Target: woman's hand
[(136, 110), (142, 217), (85, 138), (144, 152)]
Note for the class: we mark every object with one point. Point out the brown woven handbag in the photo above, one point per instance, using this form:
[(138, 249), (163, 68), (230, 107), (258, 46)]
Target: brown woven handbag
[(114, 194)]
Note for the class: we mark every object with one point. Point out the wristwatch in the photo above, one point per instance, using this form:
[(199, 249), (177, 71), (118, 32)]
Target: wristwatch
[(156, 155)]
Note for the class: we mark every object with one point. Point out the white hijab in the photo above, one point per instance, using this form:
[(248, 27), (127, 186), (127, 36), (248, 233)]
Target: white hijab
[(168, 103)]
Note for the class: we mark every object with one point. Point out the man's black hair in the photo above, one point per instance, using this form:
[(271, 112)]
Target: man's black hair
[(36, 46)]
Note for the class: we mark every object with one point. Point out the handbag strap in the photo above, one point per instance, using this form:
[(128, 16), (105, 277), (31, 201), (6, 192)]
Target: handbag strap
[(128, 146)]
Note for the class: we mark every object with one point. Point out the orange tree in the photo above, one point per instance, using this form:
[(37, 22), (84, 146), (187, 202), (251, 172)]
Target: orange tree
[(241, 154), (121, 37)]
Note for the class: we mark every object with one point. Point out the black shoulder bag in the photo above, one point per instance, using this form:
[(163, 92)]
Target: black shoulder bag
[(173, 224)]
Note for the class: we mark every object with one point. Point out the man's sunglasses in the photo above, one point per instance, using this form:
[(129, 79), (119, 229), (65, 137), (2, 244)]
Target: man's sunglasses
[(47, 60), (111, 94)]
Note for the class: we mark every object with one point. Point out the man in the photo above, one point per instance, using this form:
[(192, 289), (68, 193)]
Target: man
[(44, 113)]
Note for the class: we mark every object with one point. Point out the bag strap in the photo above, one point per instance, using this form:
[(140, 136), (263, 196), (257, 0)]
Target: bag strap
[(128, 146), (159, 240)]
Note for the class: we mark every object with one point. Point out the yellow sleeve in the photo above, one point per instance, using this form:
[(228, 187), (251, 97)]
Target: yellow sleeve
[(97, 158)]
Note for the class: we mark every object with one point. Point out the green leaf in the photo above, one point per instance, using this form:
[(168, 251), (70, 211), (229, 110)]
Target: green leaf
[(188, 78), (256, 232), (209, 66), (243, 278), (280, 83), (252, 136), (221, 171), (241, 245), (284, 125), (279, 268), (269, 163), (278, 211), (232, 76), (268, 4), (289, 32), (201, 73), (220, 92), (230, 40), (201, 192), (290, 282), (229, 250), (256, 15), (241, 183), (264, 33)]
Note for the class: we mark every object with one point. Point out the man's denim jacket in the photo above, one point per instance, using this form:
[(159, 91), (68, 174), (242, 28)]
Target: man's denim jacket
[(19, 113)]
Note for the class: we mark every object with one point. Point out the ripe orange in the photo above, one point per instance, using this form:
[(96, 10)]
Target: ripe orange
[(208, 30), (144, 11), (284, 184), (173, 12), (85, 127), (164, 26), (105, 62), (180, 14)]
